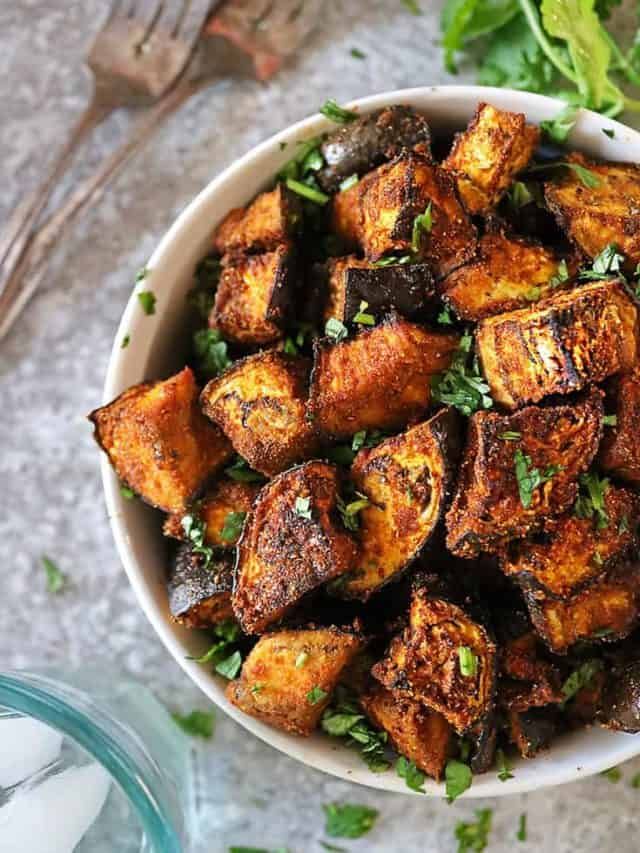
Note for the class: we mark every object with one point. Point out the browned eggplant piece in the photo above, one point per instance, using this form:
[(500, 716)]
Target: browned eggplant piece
[(270, 220), (259, 403), (331, 278), (224, 497), (606, 611), (408, 480), (292, 543), (584, 707), (574, 552), (443, 659), (620, 448), (346, 216), (421, 735), (378, 379), (200, 591), (274, 687), (483, 738), (527, 679), (158, 441), (507, 273), (489, 154), (368, 141), (487, 510), (393, 195), (621, 699), (533, 730), (559, 345), (597, 216), (254, 297)]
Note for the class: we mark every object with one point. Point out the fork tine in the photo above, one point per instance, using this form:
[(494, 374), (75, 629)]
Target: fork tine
[(172, 13), (194, 18), (147, 13)]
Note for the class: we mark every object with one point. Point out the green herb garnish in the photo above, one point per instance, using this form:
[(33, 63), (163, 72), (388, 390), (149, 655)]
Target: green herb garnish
[(344, 718), (349, 511), (195, 531), (349, 182), (56, 580), (232, 527), (613, 774), (580, 677), (127, 493), (529, 478), (607, 264), (316, 695), (393, 260), (462, 385), (610, 420), (335, 330), (422, 224), (413, 777), (468, 661), (142, 273), (521, 834), (504, 767), (474, 836), (591, 499), (303, 508), (558, 129), (635, 780), (125, 342), (357, 53), (306, 191), (347, 820), (444, 317), (510, 435), (458, 778), (197, 723), (562, 274), (609, 131), (147, 300), (362, 317), (211, 352), (241, 472), (332, 110), (229, 667)]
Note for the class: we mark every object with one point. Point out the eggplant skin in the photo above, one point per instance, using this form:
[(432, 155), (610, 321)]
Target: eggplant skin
[(368, 141), (260, 404), (488, 155), (559, 345), (423, 662), (159, 443), (574, 552), (379, 379), (620, 449), (487, 511), (270, 220), (421, 735), (199, 595), (533, 730), (620, 709), (408, 480), (594, 217), (219, 500), (284, 555), (254, 297), (274, 688)]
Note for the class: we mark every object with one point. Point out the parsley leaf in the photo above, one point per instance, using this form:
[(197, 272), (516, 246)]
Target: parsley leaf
[(412, 6), (462, 385), (344, 718), (232, 527), (413, 777), (147, 300), (610, 420), (421, 225), (606, 265), (227, 633), (562, 274), (392, 260), (504, 767), (230, 666), (465, 20), (558, 129), (306, 191), (241, 472), (332, 110), (308, 158), (514, 58), (127, 493), (348, 820), (528, 478), (197, 723), (357, 53), (349, 511), (444, 317), (196, 532), (474, 836), (591, 499), (458, 778), (56, 580), (580, 677), (635, 780), (468, 661), (510, 435), (210, 350), (613, 774), (336, 330), (316, 695), (362, 317), (303, 507), (521, 834), (126, 340), (142, 273)]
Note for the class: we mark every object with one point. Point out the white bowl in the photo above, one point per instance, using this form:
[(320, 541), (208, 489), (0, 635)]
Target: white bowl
[(154, 353)]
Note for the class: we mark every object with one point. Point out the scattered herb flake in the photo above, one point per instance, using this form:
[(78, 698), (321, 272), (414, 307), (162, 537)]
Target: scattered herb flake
[(562, 274), (623, 526), (558, 129), (336, 330), (610, 420), (635, 780), (521, 834), (56, 580), (142, 273), (504, 767), (533, 294), (230, 667), (529, 478), (147, 300), (413, 777), (211, 353), (357, 53), (422, 224), (126, 340), (609, 131), (613, 774), (349, 182), (196, 532), (304, 190), (392, 260), (591, 499), (197, 723), (468, 661), (580, 677), (362, 317), (519, 195), (340, 454), (605, 265), (344, 718), (316, 695), (510, 435), (232, 527), (333, 111), (302, 658), (458, 778), (462, 385), (444, 317), (303, 507), (474, 836), (127, 493), (241, 472), (349, 512), (348, 820)]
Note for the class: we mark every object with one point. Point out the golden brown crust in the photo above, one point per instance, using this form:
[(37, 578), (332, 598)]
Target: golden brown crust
[(274, 688), (560, 344), (487, 510), (595, 217), (377, 379), (223, 497), (346, 216), (253, 297), (283, 554), (408, 480), (424, 662), (489, 154), (620, 448), (158, 441), (336, 285), (199, 593), (421, 735), (270, 219), (259, 403)]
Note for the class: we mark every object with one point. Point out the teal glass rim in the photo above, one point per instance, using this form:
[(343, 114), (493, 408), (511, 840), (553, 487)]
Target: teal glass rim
[(134, 781)]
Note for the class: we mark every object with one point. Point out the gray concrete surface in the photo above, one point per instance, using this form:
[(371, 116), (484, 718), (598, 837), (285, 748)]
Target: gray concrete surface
[(51, 373)]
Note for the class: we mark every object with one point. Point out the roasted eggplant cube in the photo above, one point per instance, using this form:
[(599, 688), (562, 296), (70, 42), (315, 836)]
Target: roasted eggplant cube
[(408, 480), (392, 196), (293, 542), (273, 686), (378, 379), (574, 552), (333, 276), (443, 659), (346, 216), (559, 345), (158, 441), (606, 611), (533, 730), (620, 448), (259, 403), (368, 141), (507, 273), (620, 708), (421, 735), (200, 591), (254, 297), (528, 679), (559, 441), (596, 216), (489, 154), (225, 497), (270, 220)]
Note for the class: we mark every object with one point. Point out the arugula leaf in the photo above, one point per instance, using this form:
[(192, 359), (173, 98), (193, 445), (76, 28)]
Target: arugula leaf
[(521, 834), (462, 385), (348, 820), (232, 527), (514, 58), (413, 777), (344, 718), (591, 499), (580, 677), (528, 478), (332, 110), (197, 723), (559, 128), (474, 836), (211, 353), (458, 778), (56, 580)]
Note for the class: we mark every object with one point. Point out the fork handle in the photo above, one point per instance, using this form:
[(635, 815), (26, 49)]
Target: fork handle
[(28, 273)]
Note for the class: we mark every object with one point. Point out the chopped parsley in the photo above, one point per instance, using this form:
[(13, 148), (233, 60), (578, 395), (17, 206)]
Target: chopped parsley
[(307, 159), (229, 667), (444, 317), (586, 177), (303, 508), (232, 527), (562, 274), (257, 687), (142, 273), (127, 493), (468, 661), (196, 724), (610, 420), (367, 439), (605, 265), (340, 454), (635, 780), (413, 777), (609, 131), (147, 300), (580, 677), (306, 191), (316, 695), (462, 385), (357, 53), (362, 317), (458, 778), (532, 294), (241, 472), (392, 260), (613, 774), (56, 580), (349, 182), (519, 195), (349, 512), (591, 499), (474, 836), (196, 532), (521, 834), (421, 225), (504, 767), (335, 330), (126, 340), (623, 526), (211, 353), (529, 478), (347, 820), (333, 111), (302, 658), (202, 296), (510, 435), (222, 653), (412, 6), (344, 718), (558, 129)]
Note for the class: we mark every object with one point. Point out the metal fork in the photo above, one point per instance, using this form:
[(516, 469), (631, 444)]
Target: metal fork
[(141, 50)]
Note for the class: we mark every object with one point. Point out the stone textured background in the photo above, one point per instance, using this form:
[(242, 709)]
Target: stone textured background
[(51, 373)]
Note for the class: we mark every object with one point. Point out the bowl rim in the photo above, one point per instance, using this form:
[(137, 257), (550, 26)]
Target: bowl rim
[(553, 767)]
